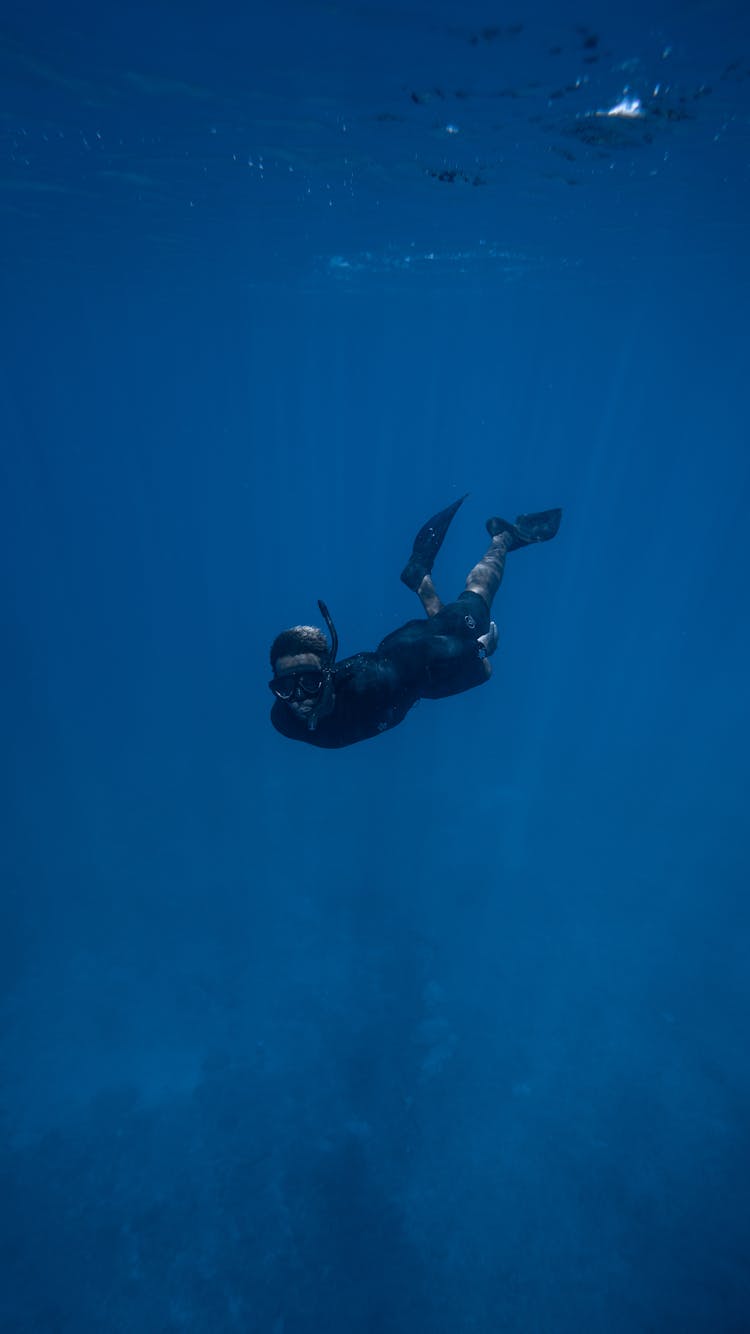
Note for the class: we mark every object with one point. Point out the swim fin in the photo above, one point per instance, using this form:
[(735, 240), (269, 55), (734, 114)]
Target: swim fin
[(427, 544), (528, 528)]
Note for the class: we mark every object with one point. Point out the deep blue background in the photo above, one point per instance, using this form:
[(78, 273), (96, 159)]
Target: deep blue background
[(447, 1031)]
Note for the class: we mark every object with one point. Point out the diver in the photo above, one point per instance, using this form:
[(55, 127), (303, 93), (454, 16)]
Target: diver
[(331, 704)]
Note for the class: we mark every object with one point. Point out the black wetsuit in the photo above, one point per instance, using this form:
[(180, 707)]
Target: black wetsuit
[(426, 659)]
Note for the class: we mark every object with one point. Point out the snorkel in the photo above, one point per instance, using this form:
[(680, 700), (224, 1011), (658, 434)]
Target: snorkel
[(326, 695), (325, 613)]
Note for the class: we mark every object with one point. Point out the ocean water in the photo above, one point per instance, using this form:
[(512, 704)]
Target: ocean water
[(446, 1031)]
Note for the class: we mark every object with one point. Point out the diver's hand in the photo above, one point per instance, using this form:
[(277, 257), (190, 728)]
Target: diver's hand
[(488, 641)]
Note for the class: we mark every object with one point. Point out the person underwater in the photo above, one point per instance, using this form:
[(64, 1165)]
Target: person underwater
[(331, 704)]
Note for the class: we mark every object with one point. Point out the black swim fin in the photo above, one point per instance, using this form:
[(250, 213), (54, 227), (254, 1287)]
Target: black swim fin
[(528, 528), (427, 544)]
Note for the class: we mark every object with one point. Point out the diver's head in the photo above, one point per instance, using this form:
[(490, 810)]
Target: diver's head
[(300, 659)]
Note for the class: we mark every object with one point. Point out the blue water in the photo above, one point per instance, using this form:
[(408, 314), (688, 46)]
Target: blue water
[(446, 1031)]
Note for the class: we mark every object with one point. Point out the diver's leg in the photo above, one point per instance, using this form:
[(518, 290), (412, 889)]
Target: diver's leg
[(487, 575), (428, 596)]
